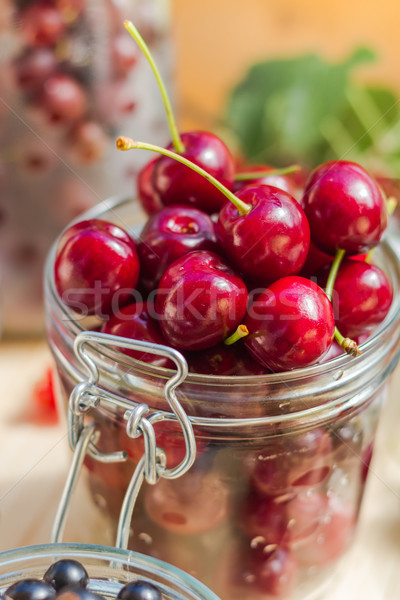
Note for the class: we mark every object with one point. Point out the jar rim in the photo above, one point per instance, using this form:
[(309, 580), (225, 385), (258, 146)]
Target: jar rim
[(325, 368), (171, 575)]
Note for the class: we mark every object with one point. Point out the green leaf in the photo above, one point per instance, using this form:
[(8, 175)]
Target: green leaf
[(280, 109)]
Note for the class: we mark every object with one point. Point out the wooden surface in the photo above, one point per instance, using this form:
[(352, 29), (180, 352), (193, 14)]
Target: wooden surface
[(34, 461)]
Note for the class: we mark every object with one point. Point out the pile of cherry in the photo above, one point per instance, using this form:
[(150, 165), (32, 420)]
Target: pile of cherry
[(67, 579), (227, 254), (198, 284), (53, 72)]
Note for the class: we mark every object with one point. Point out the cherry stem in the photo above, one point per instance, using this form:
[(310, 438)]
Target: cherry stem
[(348, 345), (176, 139), (240, 333), (246, 175), (125, 143), (333, 272)]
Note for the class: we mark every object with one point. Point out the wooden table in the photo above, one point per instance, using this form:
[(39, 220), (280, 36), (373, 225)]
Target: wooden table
[(34, 460)]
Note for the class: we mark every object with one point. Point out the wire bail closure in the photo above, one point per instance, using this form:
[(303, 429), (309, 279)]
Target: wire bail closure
[(139, 421)]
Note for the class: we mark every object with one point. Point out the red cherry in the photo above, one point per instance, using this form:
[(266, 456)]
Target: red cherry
[(291, 324), (345, 208), (282, 182), (89, 142), (258, 571), (262, 516), (170, 234), (223, 360), (176, 184), (305, 512), (330, 539), (34, 67), (316, 259), (146, 194), (194, 504), (168, 437), (362, 296), (290, 464), (42, 24), (200, 301), (63, 99), (268, 242), (96, 267), (134, 322), (124, 54)]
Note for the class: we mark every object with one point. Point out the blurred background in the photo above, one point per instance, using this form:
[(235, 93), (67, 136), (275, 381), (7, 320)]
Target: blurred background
[(281, 81), (217, 40)]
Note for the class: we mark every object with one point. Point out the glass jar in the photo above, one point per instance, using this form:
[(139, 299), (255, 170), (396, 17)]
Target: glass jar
[(108, 568), (71, 80), (271, 503)]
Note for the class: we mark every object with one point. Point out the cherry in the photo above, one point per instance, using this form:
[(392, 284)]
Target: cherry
[(33, 67), (123, 55), (150, 202), (168, 235), (269, 241), (362, 296), (293, 463), (172, 182), (200, 301), (260, 571), (96, 267), (291, 324), (265, 233), (262, 516), (278, 178), (345, 208), (223, 360), (70, 9), (194, 504), (30, 589), (275, 571), (168, 437), (305, 512), (176, 184), (330, 539), (88, 141), (139, 590), (63, 99), (316, 259), (66, 572), (42, 24), (133, 321)]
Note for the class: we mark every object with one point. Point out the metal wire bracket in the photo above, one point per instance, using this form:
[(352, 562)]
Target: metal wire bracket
[(139, 421)]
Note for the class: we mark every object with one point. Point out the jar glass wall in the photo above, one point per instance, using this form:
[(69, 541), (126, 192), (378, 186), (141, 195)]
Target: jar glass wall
[(272, 501), (71, 80), (108, 568)]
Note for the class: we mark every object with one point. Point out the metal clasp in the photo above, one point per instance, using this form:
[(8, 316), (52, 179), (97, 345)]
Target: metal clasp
[(139, 421)]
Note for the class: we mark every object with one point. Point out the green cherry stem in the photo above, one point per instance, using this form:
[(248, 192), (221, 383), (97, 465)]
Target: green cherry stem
[(125, 143), (246, 175), (348, 345), (333, 273), (176, 139), (240, 333)]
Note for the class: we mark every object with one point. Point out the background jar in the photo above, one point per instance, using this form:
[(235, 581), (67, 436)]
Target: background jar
[(272, 501), (71, 80), (108, 568)]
